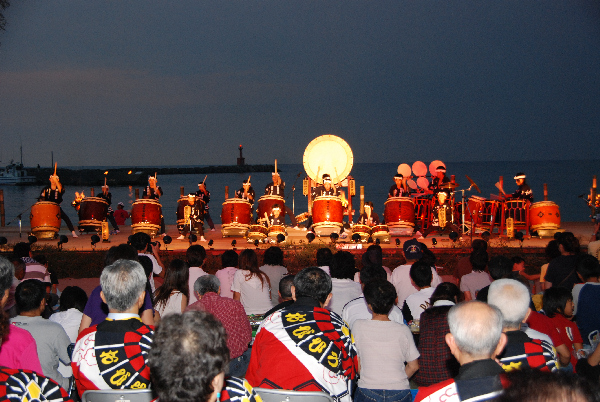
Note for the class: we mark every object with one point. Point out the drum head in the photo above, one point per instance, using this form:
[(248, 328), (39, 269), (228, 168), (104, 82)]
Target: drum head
[(328, 154), (422, 182), (411, 183), (404, 170), (434, 165), (419, 168)]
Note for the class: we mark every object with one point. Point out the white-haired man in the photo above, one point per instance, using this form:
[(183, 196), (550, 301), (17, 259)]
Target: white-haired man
[(475, 339), (511, 297), (113, 354)]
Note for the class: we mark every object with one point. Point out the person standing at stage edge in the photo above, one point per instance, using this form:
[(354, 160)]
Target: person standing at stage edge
[(54, 193), (204, 195)]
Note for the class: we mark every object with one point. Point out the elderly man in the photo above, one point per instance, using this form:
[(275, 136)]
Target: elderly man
[(113, 354), (512, 298), (305, 347), (475, 339), (232, 315)]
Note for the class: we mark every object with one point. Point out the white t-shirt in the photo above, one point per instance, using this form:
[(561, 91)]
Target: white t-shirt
[(419, 302), (195, 273), (275, 273), (70, 321), (342, 290), (156, 269), (383, 347), (357, 309), (225, 277), (403, 285), (172, 306), (255, 297), (474, 282), (326, 269)]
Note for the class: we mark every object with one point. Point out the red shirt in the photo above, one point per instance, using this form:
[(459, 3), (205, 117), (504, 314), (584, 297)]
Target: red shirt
[(569, 334), (232, 315), (543, 324)]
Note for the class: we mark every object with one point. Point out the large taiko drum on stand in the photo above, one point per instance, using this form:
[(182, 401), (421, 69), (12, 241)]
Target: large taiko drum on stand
[(327, 215), (181, 204), (399, 215), (45, 219), (544, 217), (266, 202), (92, 212), (146, 216), (236, 216)]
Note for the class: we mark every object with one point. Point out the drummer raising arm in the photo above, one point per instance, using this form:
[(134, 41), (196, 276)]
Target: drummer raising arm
[(107, 196), (54, 193), (152, 191), (276, 187), (523, 191), (400, 189), (327, 188), (246, 192)]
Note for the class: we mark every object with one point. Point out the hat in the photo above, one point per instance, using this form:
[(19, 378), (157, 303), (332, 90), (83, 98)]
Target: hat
[(412, 249), (440, 169), (276, 207), (121, 204), (191, 195), (520, 175)]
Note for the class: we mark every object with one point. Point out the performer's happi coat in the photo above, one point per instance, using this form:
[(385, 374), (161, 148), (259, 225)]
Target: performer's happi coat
[(113, 355), (304, 348)]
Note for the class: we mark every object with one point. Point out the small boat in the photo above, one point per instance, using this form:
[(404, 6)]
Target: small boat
[(15, 174)]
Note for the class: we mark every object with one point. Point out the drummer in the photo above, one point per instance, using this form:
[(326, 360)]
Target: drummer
[(442, 201), (154, 192), (196, 219), (523, 191), (107, 196), (246, 192), (204, 195), (438, 180), (369, 217), (54, 193), (277, 187), (276, 218), (325, 189), (400, 189)]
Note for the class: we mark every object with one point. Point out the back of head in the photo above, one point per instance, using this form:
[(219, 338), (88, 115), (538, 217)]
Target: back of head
[(146, 263), (500, 267), (120, 252), (195, 255), (381, 295), (188, 351), (140, 241), (479, 260), (428, 257), (73, 297), (512, 298), (446, 291), (555, 300), (476, 328), (285, 286), (588, 267), (569, 242), (552, 251), (7, 272), (373, 255), (21, 250), (29, 295), (248, 260), (324, 256), (420, 273), (273, 256), (176, 277), (372, 272), (342, 265), (229, 259), (312, 282), (122, 284), (479, 244), (206, 284)]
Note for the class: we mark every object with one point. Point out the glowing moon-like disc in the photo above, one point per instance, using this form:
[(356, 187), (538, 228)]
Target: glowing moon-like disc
[(328, 154)]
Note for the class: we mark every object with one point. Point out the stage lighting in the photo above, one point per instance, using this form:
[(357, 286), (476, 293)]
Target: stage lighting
[(453, 236), (95, 239), (32, 239), (397, 242), (193, 238), (62, 240), (167, 239), (233, 243), (434, 241), (256, 243), (210, 243), (280, 238), (3, 241), (519, 236), (310, 236), (334, 237), (355, 237)]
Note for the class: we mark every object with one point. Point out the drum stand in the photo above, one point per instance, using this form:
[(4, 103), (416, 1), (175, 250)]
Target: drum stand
[(466, 206)]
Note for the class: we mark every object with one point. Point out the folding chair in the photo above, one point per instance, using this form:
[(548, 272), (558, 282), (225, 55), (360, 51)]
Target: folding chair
[(283, 395), (118, 395)]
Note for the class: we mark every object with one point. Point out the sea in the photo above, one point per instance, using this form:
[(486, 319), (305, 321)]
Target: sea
[(568, 183)]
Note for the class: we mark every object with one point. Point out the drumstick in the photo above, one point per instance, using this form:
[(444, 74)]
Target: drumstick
[(499, 187), (104, 181), (267, 218), (275, 165), (204, 179), (55, 165), (249, 179)]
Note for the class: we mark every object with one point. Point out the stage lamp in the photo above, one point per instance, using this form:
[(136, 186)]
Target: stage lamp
[(256, 243), (233, 243), (519, 236), (193, 238), (310, 236), (129, 239), (3, 241), (32, 239), (280, 238), (334, 237), (355, 237), (210, 243), (434, 241), (167, 239), (95, 239), (453, 236), (62, 240), (397, 242)]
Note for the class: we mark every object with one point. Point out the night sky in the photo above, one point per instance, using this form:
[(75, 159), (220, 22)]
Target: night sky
[(185, 82)]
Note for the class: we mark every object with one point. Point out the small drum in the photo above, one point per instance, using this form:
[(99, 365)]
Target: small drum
[(274, 230), (544, 215), (45, 219), (181, 204), (381, 232), (146, 215), (327, 215), (266, 202), (363, 230), (236, 216), (257, 232), (92, 212)]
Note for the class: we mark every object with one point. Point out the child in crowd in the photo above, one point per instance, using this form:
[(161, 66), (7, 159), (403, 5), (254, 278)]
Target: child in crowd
[(558, 305), (383, 348)]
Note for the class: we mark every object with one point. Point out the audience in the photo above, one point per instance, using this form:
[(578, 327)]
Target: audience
[(562, 271), (11, 306), (195, 257), (111, 355), (499, 267), (305, 358), (373, 256), (383, 348), (511, 297), (344, 288), (551, 252), (470, 284), (594, 244), (463, 266), (273, 267), (284, 294), (173, 295), (586, 296), (233, 317), (251, 286), (145, 246), (416, 303), (72, 302), (33, 269), (188, 360), (229, 264), (324, 256)]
